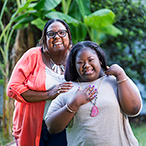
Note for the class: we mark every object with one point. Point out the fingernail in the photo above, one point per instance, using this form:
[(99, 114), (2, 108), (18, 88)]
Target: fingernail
[(89, 85), (93, 86), (95, 89)]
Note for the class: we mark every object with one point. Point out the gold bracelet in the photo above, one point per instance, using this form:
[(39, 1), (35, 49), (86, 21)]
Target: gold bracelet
[(122, 80), (69, 108)]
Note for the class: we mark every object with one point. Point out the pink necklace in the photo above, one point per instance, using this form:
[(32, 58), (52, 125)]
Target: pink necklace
[(94, 110)]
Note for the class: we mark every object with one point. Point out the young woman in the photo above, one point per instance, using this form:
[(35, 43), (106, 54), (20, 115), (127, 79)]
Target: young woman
[(95, 111), (37, 79)]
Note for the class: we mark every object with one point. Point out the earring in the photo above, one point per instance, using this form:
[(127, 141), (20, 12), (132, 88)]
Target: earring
[(70, 46)]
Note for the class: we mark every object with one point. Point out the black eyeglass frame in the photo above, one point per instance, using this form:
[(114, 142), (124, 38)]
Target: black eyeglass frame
[(65, 32)]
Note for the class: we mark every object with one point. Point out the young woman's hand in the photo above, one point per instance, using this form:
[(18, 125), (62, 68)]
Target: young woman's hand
[(83, 96), (116, 71)]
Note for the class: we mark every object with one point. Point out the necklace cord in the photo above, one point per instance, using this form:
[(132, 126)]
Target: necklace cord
[(96, 91), (94, 110), (98, 85)]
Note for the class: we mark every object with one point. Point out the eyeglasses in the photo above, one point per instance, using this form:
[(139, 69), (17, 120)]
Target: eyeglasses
[(61, 33)]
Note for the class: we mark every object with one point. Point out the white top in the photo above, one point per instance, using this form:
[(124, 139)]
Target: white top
[(52, 79), (109, 128)]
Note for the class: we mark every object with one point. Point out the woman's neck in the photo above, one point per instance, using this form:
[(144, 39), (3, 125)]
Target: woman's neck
[(101, 74), (59, 58)]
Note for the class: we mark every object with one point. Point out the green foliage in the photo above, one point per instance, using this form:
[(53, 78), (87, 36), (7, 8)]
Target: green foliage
[(1, 81), (96, 25), (139, 131), (101, 24), (3, 141), (39, 23), (84, 7), (129, 49), (63, 16), (47, 5), (76, 13)]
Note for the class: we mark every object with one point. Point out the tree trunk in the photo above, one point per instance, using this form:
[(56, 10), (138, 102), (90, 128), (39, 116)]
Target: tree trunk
[(30, 37), (24, 40), (6, 116), (19, 46)]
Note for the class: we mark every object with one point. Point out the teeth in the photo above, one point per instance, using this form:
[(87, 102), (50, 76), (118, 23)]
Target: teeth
[(57, 43), (88, 71)]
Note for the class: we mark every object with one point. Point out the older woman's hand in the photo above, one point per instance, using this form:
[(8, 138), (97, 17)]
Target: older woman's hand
[(60, 88)]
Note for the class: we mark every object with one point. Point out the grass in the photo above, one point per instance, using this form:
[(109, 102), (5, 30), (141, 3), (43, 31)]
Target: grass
[(3, 141), (139, 131)]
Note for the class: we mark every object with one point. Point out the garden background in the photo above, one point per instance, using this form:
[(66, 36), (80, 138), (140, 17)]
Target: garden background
[(118, 26)]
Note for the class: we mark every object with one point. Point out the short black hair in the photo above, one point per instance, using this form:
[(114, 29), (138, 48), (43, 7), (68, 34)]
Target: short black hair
[(70, 71)]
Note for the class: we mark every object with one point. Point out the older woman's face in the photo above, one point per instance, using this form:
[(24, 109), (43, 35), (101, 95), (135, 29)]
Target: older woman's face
[(60, 41)]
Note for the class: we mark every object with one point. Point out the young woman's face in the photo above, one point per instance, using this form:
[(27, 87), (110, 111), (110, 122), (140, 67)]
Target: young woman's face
[(57, 43), (88, 65)]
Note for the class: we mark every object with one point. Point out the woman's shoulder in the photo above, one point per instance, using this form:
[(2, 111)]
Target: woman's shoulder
[(32, 54), (110, 80), (34, 50)]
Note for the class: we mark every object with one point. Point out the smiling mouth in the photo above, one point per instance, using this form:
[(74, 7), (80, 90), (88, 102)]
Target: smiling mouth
[(88, 71), (57, 43)]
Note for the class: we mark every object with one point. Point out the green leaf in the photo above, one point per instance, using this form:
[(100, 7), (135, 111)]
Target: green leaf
[(21, 16), (100, 18), (97, 36), (78, 33), (59, 15), (32, 5), (23, 22), (47, 5), (3, 9), (84, 7), (20, 25), (39, 23), (22, 8), (74, 11), (112, 30)]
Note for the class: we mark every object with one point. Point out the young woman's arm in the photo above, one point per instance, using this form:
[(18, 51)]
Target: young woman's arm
[(59, 117), (128, 93)]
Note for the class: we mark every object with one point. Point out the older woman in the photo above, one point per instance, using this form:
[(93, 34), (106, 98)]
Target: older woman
[(36, 80)]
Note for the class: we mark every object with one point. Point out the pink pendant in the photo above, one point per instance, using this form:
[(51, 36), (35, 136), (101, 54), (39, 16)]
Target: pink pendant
[(94, 111)]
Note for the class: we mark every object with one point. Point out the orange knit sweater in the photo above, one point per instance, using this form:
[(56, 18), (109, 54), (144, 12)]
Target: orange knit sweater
[(29, 73)]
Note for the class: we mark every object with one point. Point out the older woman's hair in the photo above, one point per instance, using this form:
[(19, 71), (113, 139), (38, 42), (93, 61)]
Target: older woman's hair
[(71, 72), (42, 41)]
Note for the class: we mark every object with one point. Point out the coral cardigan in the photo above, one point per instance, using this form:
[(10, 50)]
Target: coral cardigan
[(29, 73)]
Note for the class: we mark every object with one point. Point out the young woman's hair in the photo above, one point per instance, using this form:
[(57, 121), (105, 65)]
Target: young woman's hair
[(42, 41), (71, 72)]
